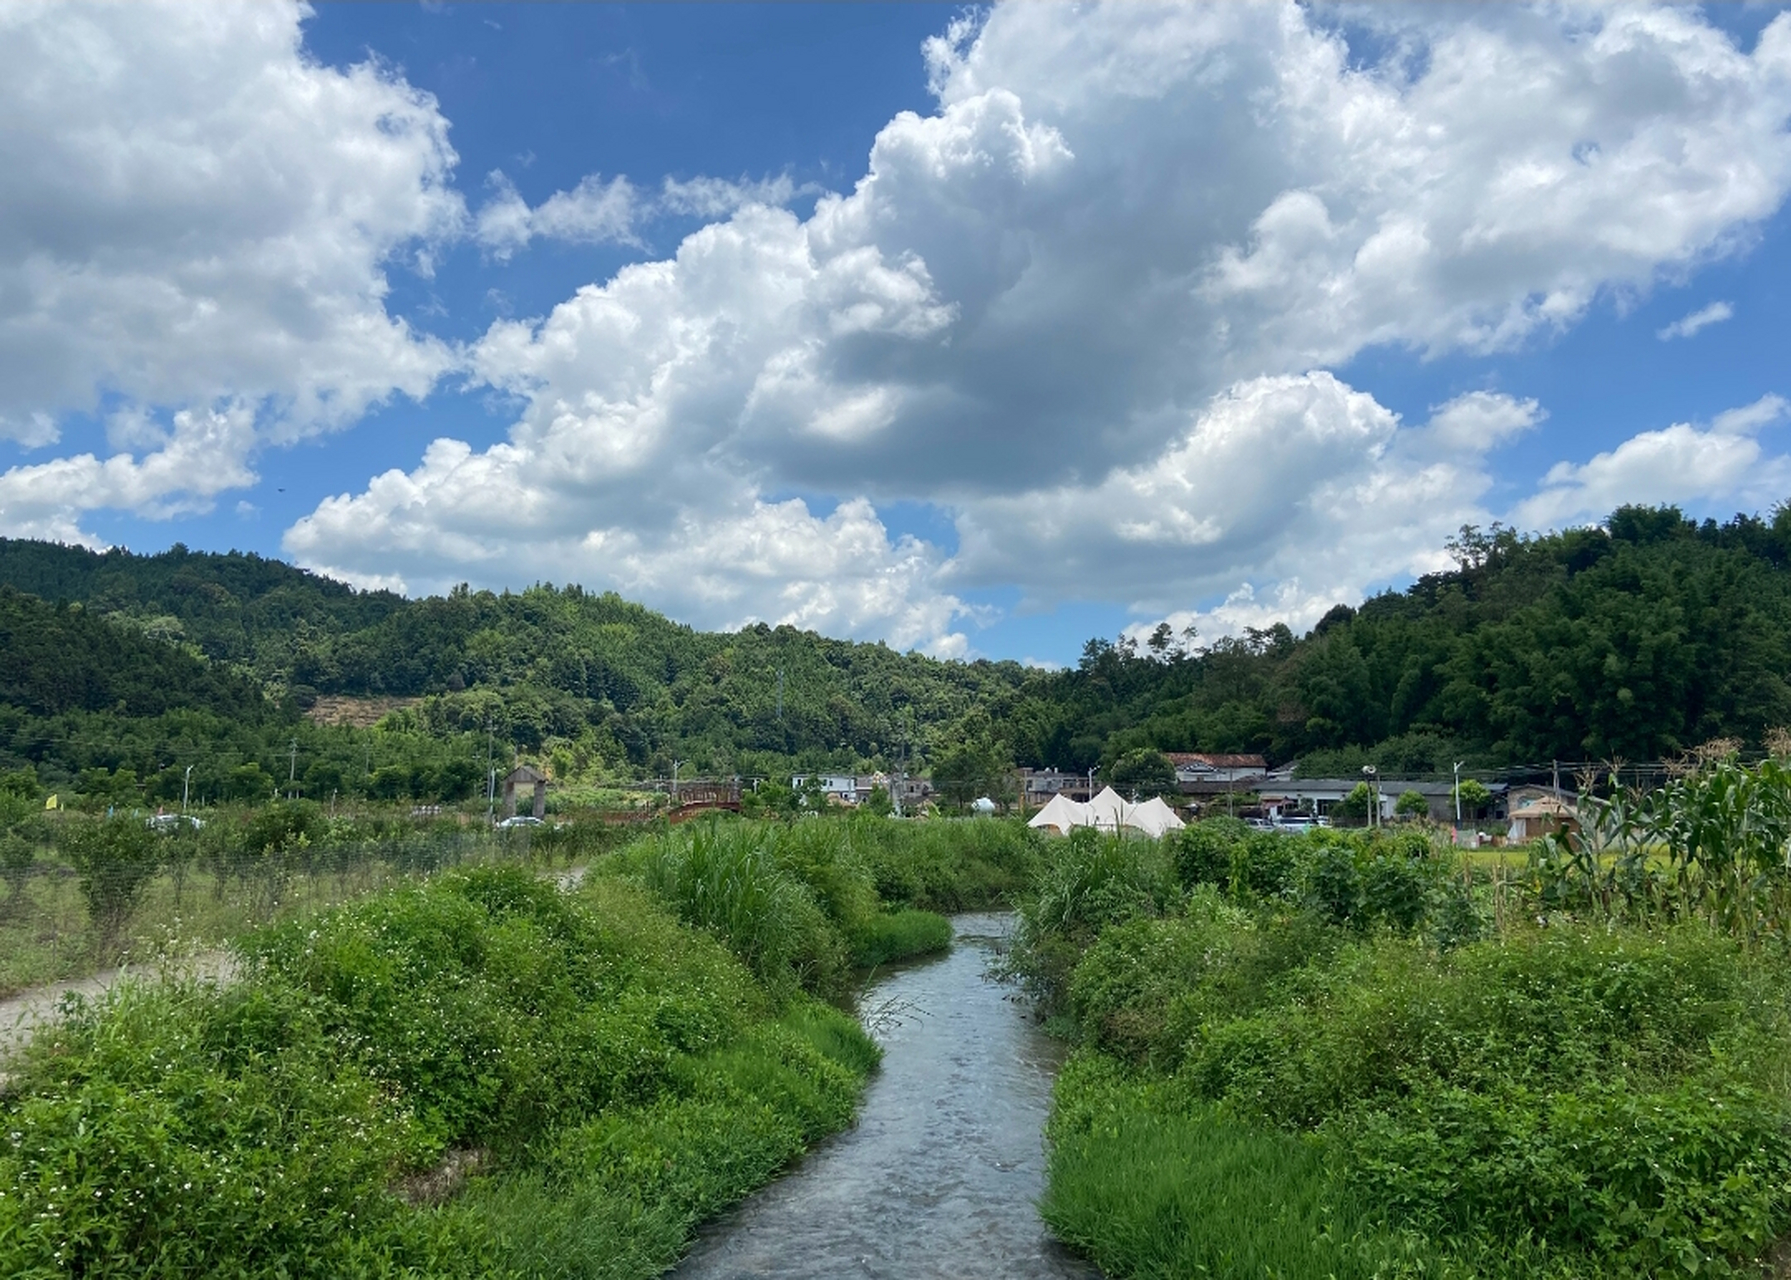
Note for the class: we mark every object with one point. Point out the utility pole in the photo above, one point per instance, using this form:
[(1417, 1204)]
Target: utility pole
[(780, 695), (1458, 793), (292, 771), (675, 766), (490, 776), (186, 786)]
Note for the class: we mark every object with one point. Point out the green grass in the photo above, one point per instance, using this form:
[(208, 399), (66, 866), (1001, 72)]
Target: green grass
[(221, 891), (1152, 1194), (1323, 1059), (901, 935), (622, 1074)]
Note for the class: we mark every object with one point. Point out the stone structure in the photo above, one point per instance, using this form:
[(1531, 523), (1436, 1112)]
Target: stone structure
[(525, 776)]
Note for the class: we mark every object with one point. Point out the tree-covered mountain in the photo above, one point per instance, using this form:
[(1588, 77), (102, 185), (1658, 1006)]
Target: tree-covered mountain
[(610, 684), (1637, 639)]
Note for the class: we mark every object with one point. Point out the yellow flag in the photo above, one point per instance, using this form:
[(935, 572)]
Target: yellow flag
[(51, 803)]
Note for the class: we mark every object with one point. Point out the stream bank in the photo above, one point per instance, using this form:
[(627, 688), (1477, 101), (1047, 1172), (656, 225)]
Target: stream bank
[(941, 1175)]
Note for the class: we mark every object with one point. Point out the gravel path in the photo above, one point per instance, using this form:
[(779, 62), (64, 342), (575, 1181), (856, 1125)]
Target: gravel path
[(23, 1014)]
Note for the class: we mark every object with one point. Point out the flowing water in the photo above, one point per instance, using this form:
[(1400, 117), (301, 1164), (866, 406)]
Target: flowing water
[(940, 1176)]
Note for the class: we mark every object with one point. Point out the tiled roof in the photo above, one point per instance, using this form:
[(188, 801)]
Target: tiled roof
[(1216, 761)]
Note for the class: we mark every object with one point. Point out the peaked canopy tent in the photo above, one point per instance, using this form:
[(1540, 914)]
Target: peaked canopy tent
[(1107, 812), (1154, 818), (1062, 813)]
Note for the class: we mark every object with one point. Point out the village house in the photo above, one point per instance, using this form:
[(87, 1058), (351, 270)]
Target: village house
[(1202, 774), (1039, 785), (1316, 797)]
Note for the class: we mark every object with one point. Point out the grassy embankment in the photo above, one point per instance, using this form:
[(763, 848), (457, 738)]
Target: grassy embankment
[(84, 893), (481, 1075), (1325, 1056)]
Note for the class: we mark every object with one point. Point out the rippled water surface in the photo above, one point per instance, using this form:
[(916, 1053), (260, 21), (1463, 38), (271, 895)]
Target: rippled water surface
[(941, 1174)]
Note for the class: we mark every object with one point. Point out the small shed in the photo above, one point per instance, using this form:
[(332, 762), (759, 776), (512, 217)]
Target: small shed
[(525, 776), (1537, 816)]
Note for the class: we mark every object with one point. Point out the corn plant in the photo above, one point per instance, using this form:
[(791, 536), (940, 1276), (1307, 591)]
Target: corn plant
[(1713, 843)]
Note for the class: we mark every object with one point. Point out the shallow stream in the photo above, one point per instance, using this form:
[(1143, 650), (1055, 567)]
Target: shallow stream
[(941, 1174)]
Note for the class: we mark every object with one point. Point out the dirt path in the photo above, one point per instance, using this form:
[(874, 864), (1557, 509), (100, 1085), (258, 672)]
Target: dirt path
[(21, 1015)]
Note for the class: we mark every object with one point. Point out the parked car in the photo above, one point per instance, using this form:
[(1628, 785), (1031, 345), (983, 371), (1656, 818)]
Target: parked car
[(174, 822), (521, 820)]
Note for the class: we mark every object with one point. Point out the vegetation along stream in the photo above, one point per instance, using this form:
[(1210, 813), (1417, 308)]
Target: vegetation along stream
[(942, 1173)]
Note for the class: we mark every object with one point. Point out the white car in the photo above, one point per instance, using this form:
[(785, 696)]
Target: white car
[(174, 822), (521, 820)]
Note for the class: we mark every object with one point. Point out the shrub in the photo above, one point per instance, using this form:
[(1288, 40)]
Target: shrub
[(116, 859), (621, 1068), (1203, 851), (1094, 881)]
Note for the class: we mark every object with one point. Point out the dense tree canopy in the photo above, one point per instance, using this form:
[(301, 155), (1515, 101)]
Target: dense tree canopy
[(1636, 640)]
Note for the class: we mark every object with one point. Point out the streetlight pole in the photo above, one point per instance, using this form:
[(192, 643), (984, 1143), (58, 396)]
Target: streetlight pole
[(1374, 794), (1458, 794), (490, 776), (186, 786), (675, 765)]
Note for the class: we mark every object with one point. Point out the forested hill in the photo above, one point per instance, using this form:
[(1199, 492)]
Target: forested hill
[(56, 659), (542, 666), (1637, 639)]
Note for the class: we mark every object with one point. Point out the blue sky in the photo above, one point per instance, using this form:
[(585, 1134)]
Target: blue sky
[(979, 331)]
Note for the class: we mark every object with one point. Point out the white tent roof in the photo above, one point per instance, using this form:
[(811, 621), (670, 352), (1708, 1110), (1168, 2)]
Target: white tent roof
[(1108, 812), (1154, 818), (1063, 813)]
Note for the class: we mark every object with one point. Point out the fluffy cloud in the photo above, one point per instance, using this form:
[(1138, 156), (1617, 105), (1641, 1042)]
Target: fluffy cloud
[(593, 212), (1681, 463), (1079, 304), (203, 455), (196, 221), (598, 212), (1301, 489)]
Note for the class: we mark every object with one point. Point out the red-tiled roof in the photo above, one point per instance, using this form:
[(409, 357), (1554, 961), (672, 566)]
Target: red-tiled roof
[(1216, 761)]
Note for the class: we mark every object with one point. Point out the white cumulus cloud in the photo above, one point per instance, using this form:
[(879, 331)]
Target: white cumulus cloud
[(1682, 464), (1085, 304), (196, 221)]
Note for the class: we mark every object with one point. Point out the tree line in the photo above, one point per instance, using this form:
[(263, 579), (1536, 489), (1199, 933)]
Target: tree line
[(1634, 639)]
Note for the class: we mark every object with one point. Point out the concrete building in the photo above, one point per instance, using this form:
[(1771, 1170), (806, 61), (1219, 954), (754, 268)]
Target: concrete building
[(1318, 796), (1195, 768), (1039, 785)]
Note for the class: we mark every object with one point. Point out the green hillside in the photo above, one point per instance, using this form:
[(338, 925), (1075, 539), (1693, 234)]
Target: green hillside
[(1634, 640)]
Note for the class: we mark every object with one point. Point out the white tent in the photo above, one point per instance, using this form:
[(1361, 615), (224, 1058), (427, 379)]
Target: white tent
[(1107, 812), (1061, 812), (1154, 818)]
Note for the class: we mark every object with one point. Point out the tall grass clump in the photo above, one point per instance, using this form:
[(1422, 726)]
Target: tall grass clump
[(798, 902), (480, 1076), (949, 865), (1319, 1058), (727, 878)]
